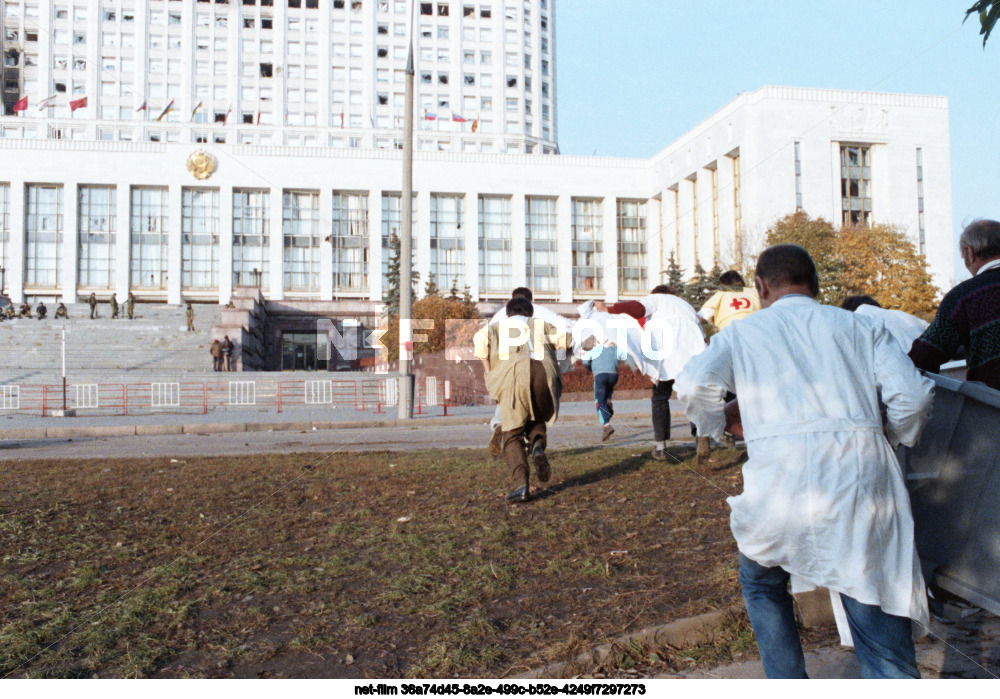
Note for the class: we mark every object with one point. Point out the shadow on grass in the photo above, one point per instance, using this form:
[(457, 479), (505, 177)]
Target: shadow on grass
[(623, 467)]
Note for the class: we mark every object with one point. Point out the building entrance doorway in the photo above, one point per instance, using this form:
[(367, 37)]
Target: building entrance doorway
[(303, 351)]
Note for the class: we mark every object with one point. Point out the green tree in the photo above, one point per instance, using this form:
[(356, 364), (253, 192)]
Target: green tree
[(453, 291), (675, 275), (390, 297), (700, 287), (988, 12), (431, 288)]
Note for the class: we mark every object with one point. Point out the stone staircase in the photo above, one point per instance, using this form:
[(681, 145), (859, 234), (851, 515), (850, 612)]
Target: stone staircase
[(155, 342)]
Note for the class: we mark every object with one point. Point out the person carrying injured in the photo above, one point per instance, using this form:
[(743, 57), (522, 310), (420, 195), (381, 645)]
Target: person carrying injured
[(521, 357), (824, 501)]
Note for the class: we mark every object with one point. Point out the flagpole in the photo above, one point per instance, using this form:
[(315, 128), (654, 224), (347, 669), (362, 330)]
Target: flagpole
[(406, 250)]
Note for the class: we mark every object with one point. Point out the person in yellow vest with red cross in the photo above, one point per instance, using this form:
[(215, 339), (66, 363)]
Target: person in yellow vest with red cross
[(734, 301)]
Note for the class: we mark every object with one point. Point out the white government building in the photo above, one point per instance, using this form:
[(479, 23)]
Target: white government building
[(279, 163)]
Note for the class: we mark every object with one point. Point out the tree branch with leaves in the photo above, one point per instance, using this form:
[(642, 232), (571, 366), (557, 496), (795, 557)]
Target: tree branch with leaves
[(988, 12)]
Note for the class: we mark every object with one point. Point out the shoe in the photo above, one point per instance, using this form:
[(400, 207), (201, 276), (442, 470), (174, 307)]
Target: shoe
[(519, 494), (496, 442), (608, 431), (660, 454), (703, 450), (543, 471)]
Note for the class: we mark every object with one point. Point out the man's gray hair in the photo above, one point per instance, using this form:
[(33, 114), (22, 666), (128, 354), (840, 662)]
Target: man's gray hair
[(983, 237)]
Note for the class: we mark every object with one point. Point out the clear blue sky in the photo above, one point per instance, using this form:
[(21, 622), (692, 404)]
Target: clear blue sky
[(633, 75)]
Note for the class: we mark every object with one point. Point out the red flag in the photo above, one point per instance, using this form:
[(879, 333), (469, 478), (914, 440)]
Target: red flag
[(475, 125), (142, 108), (258, 117), (20, 105), (77, 104)]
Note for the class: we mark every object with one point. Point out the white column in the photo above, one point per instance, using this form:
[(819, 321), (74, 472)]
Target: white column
[(610, 210), (564, 243), (15, 272), (277, 281), (374, 290), (225, 243), (704, 204), (123, 236), (518, 254), (175, 212), (325, 247), (470, 225), (70, 240)]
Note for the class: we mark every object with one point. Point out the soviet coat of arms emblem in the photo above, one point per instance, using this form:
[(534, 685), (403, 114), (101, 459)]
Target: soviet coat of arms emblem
[(201, 165)]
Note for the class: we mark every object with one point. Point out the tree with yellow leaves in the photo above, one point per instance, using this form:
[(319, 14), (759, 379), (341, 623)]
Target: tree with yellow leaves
[(878, 261)]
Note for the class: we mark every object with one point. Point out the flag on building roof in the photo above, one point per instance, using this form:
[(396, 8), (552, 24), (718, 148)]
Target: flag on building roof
[(258, 117), (458, 117), (196, 108), (169, 108), (430, 116), (142, 108), (20, 105), (225, 119), (47, 102), (77, 104)]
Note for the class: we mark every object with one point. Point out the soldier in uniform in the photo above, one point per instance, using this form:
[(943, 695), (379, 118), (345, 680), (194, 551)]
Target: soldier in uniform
[(61, 311), (190, 318), (114, 305), (25, 311), (10, 312), (130, 306), (92, 302), (42, 310)]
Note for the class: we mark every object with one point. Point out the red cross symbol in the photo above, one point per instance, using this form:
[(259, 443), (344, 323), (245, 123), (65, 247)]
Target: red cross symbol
[(740, 303)]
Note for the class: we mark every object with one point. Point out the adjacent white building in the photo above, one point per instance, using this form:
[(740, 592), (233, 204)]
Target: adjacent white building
[(108, 199)]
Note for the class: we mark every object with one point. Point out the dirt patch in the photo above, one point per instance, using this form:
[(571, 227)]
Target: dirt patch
[(373, 565)]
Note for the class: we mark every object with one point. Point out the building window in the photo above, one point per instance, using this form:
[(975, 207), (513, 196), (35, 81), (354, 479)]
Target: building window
[(588, 245), (148, 238), (44, 234), (251, 237), (541, 248), (921, 229), (98, 224), (632, 258), (349, 239), (300, 240), (798, 176), (447, 241), (856, 185), (392, 225), (200, 239), (494, 247)]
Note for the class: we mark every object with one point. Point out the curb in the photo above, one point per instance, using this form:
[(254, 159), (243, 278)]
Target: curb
[(203, 428), (692, 631)]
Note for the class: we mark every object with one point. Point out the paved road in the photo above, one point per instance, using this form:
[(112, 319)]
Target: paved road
[(632, 430)]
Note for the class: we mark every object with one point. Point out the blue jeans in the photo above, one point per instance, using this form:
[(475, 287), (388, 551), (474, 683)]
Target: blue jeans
[(604, 388), (883, 642)]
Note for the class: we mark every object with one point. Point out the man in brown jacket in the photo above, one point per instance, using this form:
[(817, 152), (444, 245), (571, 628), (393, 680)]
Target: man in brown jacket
[(521, 358), (216, 351)]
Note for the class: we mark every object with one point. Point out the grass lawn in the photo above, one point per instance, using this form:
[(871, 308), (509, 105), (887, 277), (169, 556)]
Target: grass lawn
[(366, 565)]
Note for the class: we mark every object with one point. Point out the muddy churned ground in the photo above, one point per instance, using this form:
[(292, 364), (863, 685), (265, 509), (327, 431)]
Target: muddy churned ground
[(384, 565)]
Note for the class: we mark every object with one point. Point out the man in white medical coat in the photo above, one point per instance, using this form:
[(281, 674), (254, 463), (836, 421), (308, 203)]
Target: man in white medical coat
[(904, 327), (824, 502)]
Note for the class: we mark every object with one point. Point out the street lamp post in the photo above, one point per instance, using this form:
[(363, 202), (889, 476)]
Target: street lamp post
[(406, 252)]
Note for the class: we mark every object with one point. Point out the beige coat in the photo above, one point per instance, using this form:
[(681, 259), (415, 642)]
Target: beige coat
[(509, 377)]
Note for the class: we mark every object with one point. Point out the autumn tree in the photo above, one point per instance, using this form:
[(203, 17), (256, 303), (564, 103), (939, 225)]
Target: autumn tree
[(818, 237), (438, 311), (879, 261)]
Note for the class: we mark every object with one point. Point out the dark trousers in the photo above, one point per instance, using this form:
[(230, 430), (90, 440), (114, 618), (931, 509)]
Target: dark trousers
[(216, 363), (604, 388), (533, 429), (661, 410)]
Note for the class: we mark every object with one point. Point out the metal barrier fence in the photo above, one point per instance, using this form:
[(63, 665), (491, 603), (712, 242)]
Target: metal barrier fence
[(374, 395), (953, 475)]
